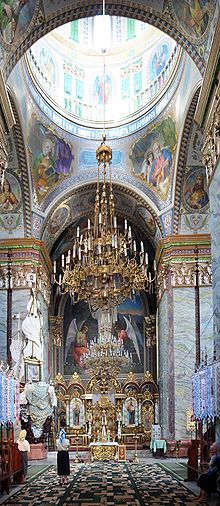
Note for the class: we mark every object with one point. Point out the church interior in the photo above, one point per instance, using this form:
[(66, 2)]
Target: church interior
[(109, 249)]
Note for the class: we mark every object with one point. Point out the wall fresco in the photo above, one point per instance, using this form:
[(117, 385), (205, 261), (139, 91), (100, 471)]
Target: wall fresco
[(81, 326), (193, 16), (15, 17), (195, 194), (153, 156), (51, 158)]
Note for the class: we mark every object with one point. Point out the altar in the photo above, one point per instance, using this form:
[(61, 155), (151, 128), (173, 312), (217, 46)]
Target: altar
[(104, 450)]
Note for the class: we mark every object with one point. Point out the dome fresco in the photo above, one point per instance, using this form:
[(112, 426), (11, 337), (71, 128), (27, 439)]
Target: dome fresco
[(128, 75)]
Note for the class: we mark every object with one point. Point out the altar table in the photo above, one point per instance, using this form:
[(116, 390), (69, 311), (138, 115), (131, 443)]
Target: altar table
[(158, 444), (104, 451)]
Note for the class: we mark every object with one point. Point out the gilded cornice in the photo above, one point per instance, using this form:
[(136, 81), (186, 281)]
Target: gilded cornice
[(183, 261), (25, 264), (23, 249), (177, 247)]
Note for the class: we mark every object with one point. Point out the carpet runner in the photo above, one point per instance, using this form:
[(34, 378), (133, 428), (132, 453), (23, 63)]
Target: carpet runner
[(105, 484)]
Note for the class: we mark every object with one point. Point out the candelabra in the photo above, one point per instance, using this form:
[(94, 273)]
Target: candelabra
[(104, 266)]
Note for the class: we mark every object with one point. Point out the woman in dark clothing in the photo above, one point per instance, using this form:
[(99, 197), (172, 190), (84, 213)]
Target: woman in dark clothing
[(208, 481), (63, 463)]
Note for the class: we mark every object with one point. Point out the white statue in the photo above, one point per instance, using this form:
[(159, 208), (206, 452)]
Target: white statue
[(17, 349), (32, 328), (104, 423)]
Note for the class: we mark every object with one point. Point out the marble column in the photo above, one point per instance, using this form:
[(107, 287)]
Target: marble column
[(30, 267), (184, 292)]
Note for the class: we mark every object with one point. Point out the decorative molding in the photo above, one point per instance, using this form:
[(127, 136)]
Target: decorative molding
[(209, 79), (29, 266), (184, 261), (56, 327), (22, 163), (90, 8), (183, 152), (211, 147)]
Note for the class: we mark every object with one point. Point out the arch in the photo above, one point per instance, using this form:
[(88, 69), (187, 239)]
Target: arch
[(84, 9), (91, 187), (182, 159), (22, 163)]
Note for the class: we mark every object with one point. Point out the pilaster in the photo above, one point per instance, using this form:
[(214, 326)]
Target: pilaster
[(185, 323)]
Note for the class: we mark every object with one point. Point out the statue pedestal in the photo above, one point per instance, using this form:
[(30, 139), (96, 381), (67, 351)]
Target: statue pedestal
[(38, 452)]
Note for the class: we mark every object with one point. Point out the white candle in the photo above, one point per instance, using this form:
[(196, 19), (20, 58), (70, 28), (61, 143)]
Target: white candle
[(100, 219), (115, 222), (134, 246), (54, 267), (63, 261), (126, 224), (142, 247), (88, 224), (146, 258), (77, 232)]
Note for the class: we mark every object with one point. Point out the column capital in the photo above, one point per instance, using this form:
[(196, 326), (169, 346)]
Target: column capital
[(180, 258), (30, 265)]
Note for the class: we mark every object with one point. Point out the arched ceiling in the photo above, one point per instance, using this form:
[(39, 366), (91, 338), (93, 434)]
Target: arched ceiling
[(63, 219), (169, 16), (150, 201)]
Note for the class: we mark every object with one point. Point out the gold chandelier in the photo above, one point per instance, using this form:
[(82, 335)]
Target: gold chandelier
[(104, 266)]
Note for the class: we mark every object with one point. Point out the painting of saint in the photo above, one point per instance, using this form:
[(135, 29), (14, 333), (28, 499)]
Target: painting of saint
[(195, 194), (15, 17), (52, 158), (75, 408), (147, 415), (102, 89), (152, 156), (48, 66), (159, 61), (131, 406), (10, 196), (58, 219), (44, 167), (160, 168), (193, 15), (148, 220)]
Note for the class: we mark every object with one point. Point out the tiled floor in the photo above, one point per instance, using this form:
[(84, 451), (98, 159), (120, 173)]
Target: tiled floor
[(102, 484)]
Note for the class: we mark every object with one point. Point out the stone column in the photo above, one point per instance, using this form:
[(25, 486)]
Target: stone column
[(24, 265), (184, 292)]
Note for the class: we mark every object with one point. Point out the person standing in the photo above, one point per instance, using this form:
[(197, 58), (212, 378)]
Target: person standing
[(63, 463), (24, 447)]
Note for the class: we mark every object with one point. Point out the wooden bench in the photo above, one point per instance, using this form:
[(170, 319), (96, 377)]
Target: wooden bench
[(10, 465)]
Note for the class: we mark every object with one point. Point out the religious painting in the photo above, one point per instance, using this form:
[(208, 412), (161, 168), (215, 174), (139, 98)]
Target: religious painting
[(130, 412), (147, 412), (193, 16), (195, 192), (122, 453), (58, 219), (15, 17), (153, 157), (51, 158), (81, 329), (47, 65), (76, 413), (102, 91), (32, 370), (159, 60), (10, 197), (148, 220)]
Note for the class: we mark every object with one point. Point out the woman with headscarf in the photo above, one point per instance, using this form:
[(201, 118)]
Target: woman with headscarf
[(63, 463), (24, 447)]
